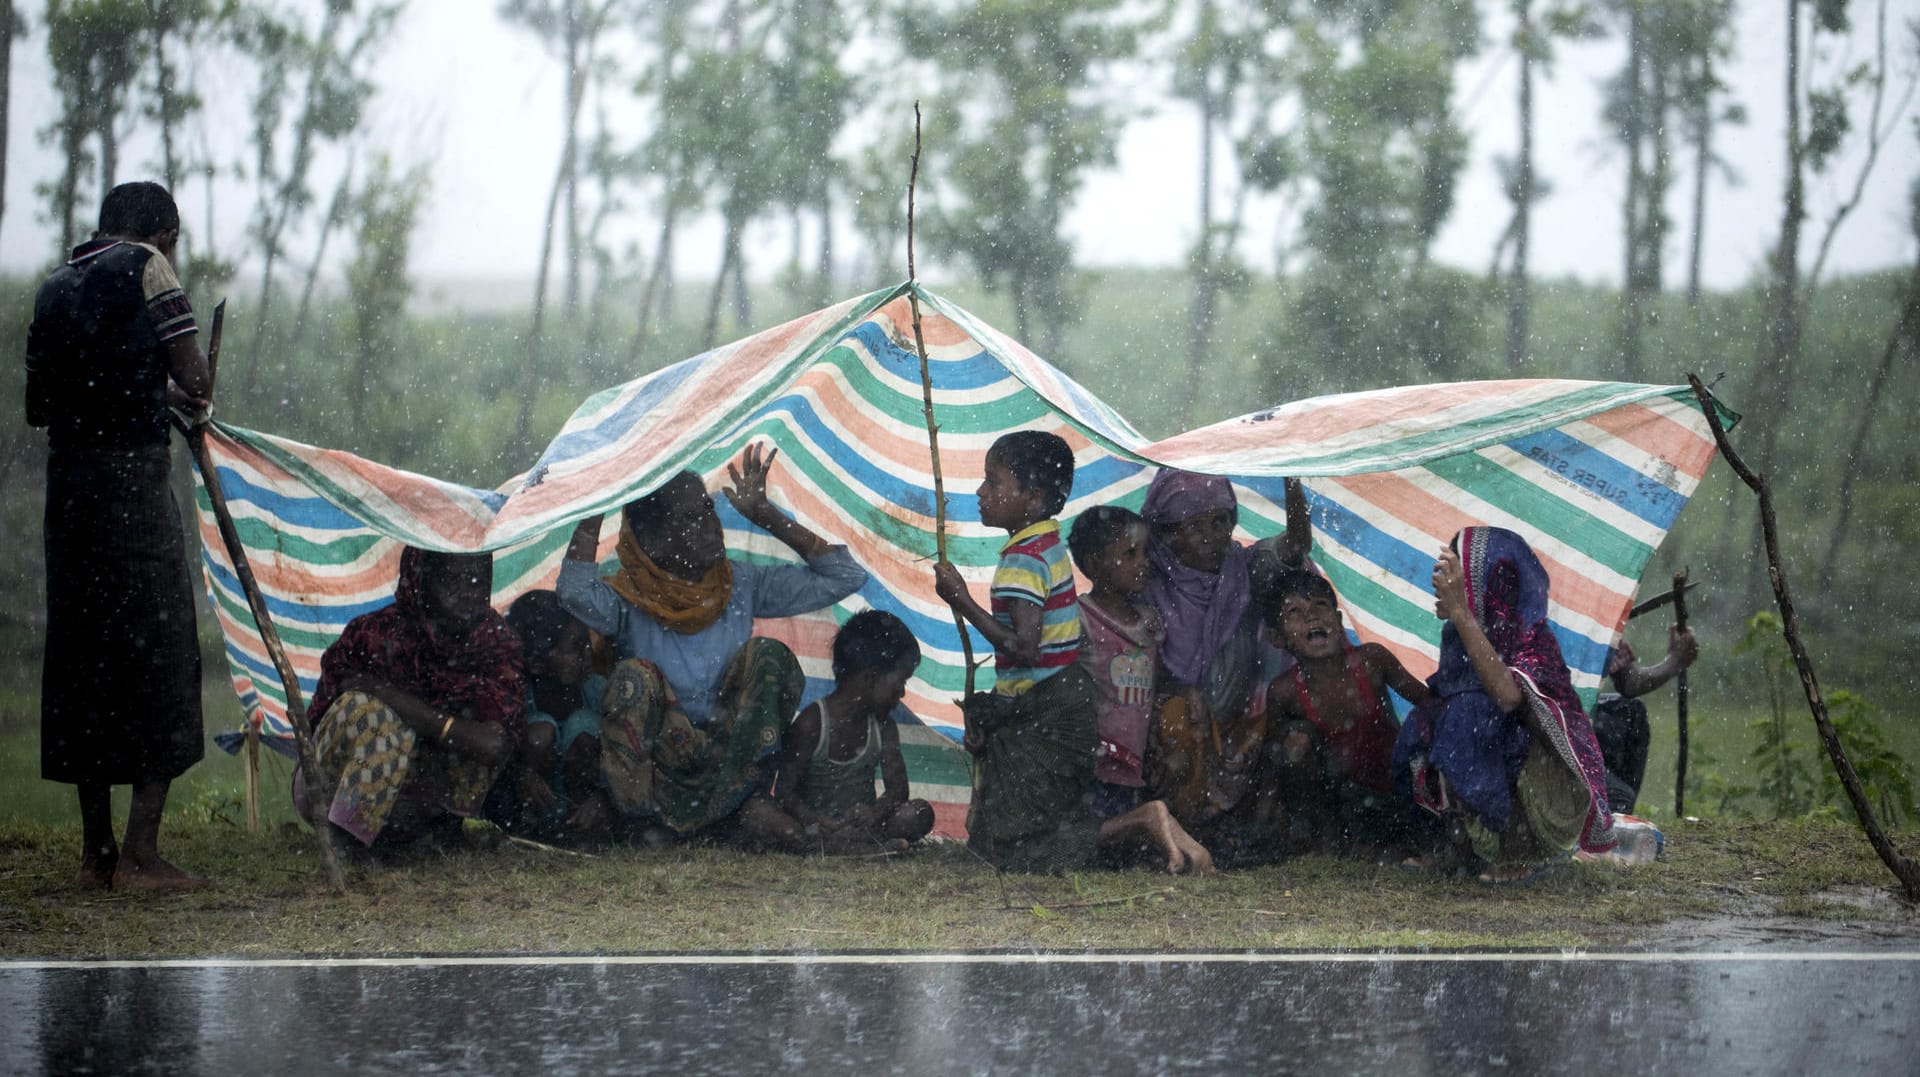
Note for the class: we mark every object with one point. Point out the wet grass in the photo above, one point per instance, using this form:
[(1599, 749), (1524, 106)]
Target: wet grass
[(270, 898)]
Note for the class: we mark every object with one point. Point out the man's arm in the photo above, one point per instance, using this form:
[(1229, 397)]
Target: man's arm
[(1682, 650)]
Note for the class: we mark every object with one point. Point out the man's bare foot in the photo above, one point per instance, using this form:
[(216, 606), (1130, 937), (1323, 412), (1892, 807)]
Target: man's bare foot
[(154, 875), (96, 872)]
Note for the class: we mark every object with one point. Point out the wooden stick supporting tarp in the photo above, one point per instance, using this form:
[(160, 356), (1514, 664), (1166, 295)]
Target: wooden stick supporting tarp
[(1904, 868), (1680, 701), (926, 397), (243, 569)]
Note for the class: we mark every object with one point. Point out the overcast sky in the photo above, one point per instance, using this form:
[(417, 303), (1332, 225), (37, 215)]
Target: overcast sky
[(479, 103)]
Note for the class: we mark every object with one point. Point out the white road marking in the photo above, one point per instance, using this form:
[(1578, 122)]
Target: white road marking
[(615, 960)]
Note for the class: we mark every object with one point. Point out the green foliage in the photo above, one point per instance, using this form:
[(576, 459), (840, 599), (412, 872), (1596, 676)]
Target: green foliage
[(1381, 153), (1785, 758), (1827, 126), (1783, 778), (1884, 773), (1018, 147)]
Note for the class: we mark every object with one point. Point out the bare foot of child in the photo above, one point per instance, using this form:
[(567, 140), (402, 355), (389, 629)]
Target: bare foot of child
[(1199, 861), (154, 875), (1184, 855)]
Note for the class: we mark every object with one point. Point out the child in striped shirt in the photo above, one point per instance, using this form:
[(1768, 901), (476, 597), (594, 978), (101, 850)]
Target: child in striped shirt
[(1035, 735)]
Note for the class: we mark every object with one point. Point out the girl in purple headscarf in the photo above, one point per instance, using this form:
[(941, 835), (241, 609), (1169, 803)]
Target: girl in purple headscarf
[(1207, 747), (1502, 749)]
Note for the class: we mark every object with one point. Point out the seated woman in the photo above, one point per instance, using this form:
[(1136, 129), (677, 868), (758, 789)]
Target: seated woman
[(420, 705), (1501, 750), (1206, 753), (692, 714)]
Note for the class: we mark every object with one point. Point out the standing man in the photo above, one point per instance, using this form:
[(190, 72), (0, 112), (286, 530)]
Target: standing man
[(1620, 721), (112, 345)]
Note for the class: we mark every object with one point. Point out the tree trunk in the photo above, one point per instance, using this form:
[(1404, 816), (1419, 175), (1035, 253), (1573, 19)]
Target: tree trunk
[(1653, 250), (661, 257), (1634, 136), (6, 93), (1702, 163), (529, 375), (826, 244), (1906, 332), (742, 300), (1782, 345), (710, 335), (570, 151), (1200, 314), (336, 209), (72, 144), (109, 151), (163, 88), (1519, 295)]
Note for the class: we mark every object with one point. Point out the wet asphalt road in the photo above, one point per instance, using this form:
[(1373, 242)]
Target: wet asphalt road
[(1688, 1014)]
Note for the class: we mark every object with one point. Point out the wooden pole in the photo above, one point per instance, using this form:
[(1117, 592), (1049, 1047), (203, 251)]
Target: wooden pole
[(242, 568), (926, 397), (251, 753), (1903, 867), (1680, 700)]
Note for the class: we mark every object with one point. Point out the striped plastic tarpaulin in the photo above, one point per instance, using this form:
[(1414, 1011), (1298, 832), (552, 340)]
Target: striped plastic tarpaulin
[(1593, 473)]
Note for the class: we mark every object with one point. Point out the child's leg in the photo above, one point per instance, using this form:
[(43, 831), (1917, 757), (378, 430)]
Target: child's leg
[(1152, 824), (908, 822), (765, 826), (1301, 762), (580, 767)]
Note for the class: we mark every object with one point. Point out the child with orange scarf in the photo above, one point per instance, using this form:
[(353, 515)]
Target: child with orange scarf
[(692, 714)]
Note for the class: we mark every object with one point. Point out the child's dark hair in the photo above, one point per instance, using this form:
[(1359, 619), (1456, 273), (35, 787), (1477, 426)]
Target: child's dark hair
[(143, 209), (1095, 529), (873, 639), (538, 618), (1296, 581), (1038, 461)]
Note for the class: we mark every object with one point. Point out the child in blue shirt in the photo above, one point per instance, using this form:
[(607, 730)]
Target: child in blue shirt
[(553, 792)]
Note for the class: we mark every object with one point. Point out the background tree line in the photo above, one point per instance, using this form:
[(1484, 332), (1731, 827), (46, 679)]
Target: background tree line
[(1342, 113)]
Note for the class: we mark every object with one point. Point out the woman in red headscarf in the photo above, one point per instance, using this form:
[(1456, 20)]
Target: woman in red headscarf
[(421, 704)]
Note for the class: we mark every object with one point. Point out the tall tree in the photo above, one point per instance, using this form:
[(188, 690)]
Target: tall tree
[(326, 75), (1533, 40), (96, 48), (1819, 121), (383, 215), (1023, 125), (570, 29), (12, 25), (1708, 25), (1221, 67), (1381, 151), (170, 23)]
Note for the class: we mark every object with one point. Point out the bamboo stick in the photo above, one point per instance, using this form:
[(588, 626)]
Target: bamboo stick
[(1680, 701), (243, 569), (1903, 867), (926, 398)]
